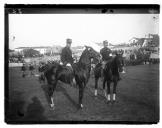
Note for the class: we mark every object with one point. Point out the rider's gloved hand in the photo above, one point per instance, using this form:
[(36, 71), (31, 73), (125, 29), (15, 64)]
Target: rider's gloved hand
[(68, 64), (61, 63)]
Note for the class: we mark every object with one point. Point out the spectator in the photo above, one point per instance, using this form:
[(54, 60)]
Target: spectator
[(31, 68), (23, 69)]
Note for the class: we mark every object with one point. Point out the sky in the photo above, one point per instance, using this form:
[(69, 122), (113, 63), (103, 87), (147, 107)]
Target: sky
[(27, 30)]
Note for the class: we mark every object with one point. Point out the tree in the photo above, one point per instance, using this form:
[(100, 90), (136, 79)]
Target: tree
[(31, 53)]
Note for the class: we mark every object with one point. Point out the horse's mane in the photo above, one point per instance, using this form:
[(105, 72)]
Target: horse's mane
[(84, 58), (83, 62), (84, 55)]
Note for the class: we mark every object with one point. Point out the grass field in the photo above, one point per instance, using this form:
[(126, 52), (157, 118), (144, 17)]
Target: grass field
[(137, 99)]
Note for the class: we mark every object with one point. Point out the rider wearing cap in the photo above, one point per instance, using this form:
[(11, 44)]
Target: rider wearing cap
[(106, 55), (105, 52), (66, 57), (66, 54)]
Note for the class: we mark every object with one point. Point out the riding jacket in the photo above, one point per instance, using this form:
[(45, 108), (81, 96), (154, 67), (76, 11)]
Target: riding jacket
[(66, 56), (105, 53)]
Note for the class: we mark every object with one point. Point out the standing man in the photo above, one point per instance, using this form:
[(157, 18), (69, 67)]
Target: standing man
[(31, 68), (23, 69), (66, 54)]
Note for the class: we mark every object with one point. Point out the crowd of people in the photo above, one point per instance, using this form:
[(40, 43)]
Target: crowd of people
[(30, 67), (16, 59), (137, 56)]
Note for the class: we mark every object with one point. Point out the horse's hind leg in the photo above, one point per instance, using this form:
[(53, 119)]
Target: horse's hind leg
[(96, 86), (108, 91), (114, 91)]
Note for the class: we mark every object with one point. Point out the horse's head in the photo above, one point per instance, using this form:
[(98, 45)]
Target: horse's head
[(120, 62), (88, 54), (91, 53)]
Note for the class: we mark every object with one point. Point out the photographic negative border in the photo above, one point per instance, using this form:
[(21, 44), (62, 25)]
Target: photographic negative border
[(68, 9)]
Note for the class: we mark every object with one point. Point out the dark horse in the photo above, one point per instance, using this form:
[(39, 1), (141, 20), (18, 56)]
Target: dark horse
[(110, 74), (80, 71)]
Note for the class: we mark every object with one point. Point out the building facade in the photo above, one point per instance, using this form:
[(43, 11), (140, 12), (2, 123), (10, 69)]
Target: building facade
[(42, 50)]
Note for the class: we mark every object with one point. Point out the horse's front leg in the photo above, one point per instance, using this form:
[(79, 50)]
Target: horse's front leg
[(81, 91), (108, 90), (52, 95), (96, 85)]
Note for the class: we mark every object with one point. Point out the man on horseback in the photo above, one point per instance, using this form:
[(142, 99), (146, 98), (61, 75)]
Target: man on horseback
[(66, 54), (66, 57), (106, 55)]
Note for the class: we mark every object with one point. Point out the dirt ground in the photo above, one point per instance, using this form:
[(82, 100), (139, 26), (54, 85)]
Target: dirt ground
[(137, 99)]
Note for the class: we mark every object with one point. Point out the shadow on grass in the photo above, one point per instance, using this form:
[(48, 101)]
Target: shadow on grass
[(15, 113), (14, 107), (35, 111)]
